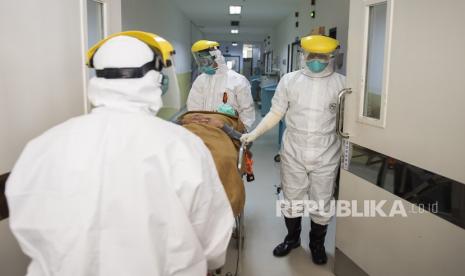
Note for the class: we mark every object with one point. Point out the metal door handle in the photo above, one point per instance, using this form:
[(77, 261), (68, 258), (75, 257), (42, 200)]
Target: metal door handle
[(340, 112)]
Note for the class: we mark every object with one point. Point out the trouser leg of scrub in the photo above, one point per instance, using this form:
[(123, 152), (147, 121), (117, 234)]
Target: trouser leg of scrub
[(322, 183), (295, 185)]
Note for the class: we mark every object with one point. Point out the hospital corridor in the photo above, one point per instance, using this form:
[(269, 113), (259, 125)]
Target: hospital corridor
[(232, 138)]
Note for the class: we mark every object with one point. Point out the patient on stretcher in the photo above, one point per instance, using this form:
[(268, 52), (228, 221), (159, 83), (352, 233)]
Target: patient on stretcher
[(221, 132)]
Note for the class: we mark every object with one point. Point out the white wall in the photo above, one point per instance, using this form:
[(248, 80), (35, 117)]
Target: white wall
[(165, 19), (329, 13), (40, 71), (41, 85)]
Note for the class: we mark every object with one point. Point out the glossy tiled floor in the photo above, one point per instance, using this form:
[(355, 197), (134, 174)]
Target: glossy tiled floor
[(264, 229)]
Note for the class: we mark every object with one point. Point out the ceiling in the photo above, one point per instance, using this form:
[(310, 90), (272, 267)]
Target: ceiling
[(257, 19)]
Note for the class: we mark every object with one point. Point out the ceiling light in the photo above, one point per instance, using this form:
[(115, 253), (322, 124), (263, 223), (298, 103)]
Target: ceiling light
[(235, 9), (234, 31), (234, 44)]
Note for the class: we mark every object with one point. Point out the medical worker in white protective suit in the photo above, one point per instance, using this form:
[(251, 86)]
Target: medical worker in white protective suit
[(119, 191), (311, 149), (208, 89)]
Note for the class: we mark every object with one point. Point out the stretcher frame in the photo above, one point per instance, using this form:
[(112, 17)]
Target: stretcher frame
[(239, 231)]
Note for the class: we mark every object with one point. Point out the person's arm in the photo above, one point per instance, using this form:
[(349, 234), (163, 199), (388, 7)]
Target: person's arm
[(195, 100), (268, 122), (279, 106), (203, 195), (246, 104)]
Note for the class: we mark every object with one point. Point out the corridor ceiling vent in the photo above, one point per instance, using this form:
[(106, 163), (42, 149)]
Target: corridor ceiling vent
[(235, 23), (235, 10), (234, 31)]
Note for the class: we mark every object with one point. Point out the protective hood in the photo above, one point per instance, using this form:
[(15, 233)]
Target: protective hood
[(137, 94), (142, 94), (219, 59)]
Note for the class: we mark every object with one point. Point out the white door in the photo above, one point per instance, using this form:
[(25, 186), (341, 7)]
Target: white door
[(406, 128)]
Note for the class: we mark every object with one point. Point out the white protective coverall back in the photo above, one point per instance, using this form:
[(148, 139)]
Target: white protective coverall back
[(207, 92), (119, 192), (310, 153)]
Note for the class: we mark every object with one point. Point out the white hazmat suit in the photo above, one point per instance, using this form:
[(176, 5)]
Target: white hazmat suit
[(207, 92), (119, 191), (310, 153)]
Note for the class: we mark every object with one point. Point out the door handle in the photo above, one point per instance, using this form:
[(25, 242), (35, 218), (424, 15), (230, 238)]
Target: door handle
[(340, 112)]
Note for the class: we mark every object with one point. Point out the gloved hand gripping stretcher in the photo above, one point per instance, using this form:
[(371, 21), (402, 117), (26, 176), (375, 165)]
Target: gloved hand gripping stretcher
[(220, 133)]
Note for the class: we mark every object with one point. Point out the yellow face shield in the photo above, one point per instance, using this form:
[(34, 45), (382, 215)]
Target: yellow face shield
[(158, 44), (318, 54), (319, 44), (203, 45)]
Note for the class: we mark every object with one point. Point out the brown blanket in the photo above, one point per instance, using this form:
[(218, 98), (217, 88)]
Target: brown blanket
[(225, 153)]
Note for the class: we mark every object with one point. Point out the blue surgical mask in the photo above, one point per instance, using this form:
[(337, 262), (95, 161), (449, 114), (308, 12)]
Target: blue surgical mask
[(316, 66), (209, 70)]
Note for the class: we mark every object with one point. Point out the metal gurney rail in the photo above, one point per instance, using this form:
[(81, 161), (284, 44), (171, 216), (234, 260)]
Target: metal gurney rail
[(239, 231)]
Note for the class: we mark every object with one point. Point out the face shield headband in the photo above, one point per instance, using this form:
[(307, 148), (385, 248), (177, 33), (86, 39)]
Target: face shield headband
[(136, 72), (131, 72)]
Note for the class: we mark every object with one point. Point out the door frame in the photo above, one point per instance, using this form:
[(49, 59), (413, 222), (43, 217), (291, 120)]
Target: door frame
[(294, 44), (112, 23)]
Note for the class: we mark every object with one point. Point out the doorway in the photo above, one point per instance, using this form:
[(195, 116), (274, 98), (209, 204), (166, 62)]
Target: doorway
[(295, 56), (233, 62)]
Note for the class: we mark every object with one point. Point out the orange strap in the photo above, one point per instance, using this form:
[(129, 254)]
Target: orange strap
[(248, 162)]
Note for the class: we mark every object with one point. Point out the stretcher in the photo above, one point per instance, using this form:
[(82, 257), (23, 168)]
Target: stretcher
[(233, 160)]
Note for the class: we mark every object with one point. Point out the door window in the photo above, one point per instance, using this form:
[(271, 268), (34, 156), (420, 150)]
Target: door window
[(376, 59), (95, 22)]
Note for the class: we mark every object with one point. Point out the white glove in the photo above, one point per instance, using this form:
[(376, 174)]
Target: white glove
[(269, 121), (248, 137)]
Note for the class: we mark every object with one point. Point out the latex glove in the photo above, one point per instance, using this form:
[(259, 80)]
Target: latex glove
[(248, 137), (269, 121)]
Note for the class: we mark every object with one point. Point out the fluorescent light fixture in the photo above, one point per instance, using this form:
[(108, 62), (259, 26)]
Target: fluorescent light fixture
[(234, 44), (235, 9), (234, 31)]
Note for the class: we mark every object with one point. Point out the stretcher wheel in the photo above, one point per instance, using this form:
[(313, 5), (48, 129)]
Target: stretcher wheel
[(277, 158)]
